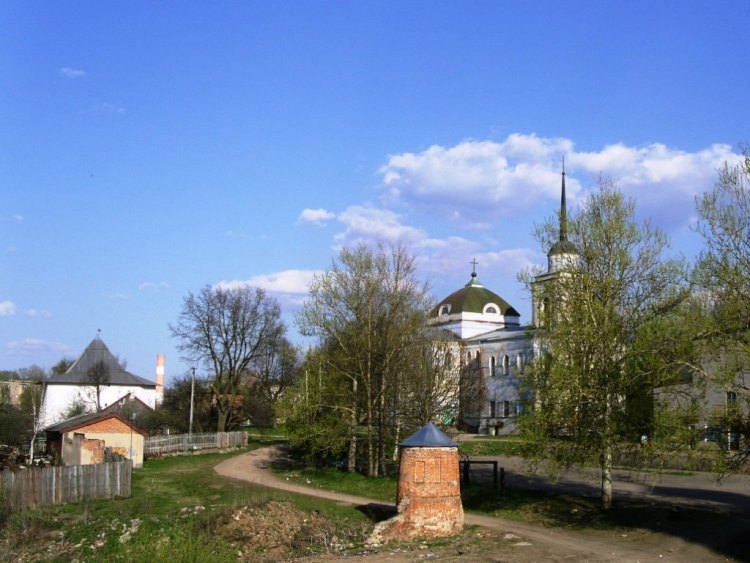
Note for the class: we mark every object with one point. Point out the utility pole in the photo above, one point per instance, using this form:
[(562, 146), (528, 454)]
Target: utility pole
[(192, 394)]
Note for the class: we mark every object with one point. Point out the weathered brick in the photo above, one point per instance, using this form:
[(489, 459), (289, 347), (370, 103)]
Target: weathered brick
[(429, 496)]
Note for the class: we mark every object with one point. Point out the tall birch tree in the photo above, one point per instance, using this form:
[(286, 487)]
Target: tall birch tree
[(592, 361)]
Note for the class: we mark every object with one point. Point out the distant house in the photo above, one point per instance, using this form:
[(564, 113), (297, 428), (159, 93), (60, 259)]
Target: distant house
[(96, 367), (86, 439), (130, 408)]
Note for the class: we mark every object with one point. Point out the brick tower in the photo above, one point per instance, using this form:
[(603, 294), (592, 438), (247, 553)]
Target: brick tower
[(429, 489)]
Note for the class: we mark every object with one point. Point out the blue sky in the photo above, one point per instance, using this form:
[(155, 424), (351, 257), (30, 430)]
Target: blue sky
[(148, 149)]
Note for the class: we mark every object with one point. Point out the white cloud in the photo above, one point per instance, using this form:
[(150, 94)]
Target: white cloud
[(41, 313), (7, 309), (288, 281), (70, 72), (364, 223), (475, 182), (119, 296), (317, 217), (237, 234), (29, 346), (109, 108), (153, 286), (18, 217)]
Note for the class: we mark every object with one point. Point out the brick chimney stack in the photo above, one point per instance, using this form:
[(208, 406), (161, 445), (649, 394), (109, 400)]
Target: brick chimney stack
[(159, 377)]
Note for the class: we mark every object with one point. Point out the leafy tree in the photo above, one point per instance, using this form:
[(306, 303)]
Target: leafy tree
[(14, 426), (8, 375), (368, 312), (227, 331), (76, 407), (722, 275), (591, 369), (312, 408), (62, 366), (32, 404), (174, 409)]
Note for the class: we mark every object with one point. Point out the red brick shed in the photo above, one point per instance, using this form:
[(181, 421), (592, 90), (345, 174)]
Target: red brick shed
[(81, 440)]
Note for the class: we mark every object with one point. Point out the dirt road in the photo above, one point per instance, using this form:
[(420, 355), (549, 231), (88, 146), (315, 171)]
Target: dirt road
[(521, 542)]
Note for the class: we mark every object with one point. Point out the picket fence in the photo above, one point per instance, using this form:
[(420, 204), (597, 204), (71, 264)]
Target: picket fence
[(173, 443), (41, 486)]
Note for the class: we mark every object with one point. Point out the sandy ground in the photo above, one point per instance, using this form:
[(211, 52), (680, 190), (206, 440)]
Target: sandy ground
[(510, 540)]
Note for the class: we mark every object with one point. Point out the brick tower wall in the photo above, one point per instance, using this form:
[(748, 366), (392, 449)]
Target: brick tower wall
[(428, 498)]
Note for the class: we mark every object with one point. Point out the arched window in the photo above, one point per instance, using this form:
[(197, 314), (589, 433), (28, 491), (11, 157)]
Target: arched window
[(445, 309), (506, 365), (519, 363), (490, 310), (492, 366)]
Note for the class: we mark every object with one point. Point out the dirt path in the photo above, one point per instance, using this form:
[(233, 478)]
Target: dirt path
[(519, 541)]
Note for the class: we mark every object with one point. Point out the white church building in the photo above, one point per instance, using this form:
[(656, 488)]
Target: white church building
[(77, 385), (493, 347)]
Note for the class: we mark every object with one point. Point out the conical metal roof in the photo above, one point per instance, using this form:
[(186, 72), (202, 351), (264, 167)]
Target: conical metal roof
[(429, 436)]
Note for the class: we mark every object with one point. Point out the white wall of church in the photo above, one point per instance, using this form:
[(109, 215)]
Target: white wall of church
[(59, 397)]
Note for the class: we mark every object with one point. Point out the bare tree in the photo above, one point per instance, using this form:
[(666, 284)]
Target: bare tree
[(97, 377), (229, 331)]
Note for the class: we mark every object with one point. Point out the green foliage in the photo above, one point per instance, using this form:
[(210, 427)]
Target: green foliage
[(174, 410), (722, 276), (77, 407), (492, 447), (178, 511), (14, 426), (591, 386), (368, 312)]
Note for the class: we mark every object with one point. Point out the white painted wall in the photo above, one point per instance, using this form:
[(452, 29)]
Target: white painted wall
[(59, 396)]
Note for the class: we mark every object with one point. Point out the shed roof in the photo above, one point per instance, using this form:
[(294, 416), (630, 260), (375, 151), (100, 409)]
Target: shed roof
[(429, 436), (83, 420)]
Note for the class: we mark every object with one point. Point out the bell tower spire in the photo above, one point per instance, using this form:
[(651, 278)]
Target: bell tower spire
[(563, 208)]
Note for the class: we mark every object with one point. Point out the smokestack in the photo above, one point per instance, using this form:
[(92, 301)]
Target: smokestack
[(159, 377)]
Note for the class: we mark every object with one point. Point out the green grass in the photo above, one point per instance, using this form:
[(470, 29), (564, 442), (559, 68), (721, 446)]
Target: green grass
[(353, 483), (490, 446), (178, 511)]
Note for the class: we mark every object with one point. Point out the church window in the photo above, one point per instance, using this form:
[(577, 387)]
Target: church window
[(445, 309), (519, 363), (492, 366), (506, 364), (506, 408), (490, 310), (731, 397), (492, 409)]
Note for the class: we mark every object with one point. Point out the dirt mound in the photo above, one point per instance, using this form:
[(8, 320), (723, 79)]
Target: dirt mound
[(277, 530)]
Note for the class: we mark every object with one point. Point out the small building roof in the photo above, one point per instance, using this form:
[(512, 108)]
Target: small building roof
[(95, 353), (429, 436), (83, 420)]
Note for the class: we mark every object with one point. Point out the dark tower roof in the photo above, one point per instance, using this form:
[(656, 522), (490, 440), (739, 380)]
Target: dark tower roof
[(563, 246), (96, 353), (429, 436)]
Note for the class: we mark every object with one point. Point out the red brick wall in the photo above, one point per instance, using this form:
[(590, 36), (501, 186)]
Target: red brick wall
[(96, 447), (110, 425), (429, 496)]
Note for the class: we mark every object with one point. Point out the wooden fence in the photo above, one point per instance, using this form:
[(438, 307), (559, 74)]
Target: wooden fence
[(172, 443), (37, 486)]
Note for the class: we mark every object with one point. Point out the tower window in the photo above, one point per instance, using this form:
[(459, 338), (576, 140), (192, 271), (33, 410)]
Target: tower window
[(490, 310), (445, 309), (506, 364), (492, 366)]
